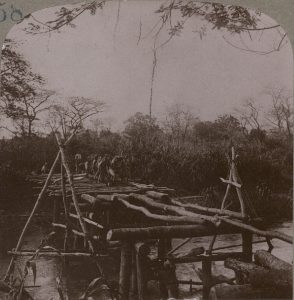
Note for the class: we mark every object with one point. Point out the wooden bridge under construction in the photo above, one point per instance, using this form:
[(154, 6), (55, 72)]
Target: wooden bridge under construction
[(90, 219)]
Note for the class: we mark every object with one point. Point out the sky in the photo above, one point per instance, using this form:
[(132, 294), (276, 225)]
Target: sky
[(101, 59)]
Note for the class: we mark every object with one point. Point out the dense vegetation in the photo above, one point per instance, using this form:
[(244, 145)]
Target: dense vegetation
[(182, 152)]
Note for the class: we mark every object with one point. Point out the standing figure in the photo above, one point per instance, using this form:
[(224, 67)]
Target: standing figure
[(78, 158), (118, 170), (94, 165), (86, 166), (102, 173), (44, 168)]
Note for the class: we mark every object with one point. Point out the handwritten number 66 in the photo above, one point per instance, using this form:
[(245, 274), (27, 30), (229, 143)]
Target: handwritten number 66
[(15, 14)]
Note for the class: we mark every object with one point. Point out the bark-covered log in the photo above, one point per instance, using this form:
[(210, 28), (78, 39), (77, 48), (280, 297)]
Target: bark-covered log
[(244, 291), (159, 196), (242, 269), (160, 217), (174, 231), (208, 210), (180, 211), (240, 266), (261, 277), (267, 260), (266, 233)]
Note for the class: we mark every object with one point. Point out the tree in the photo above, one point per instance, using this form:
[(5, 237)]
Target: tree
[(27, 111), (179, 122), (22, 98), (72, 115), (229, 128), (139, 127), (251, 120), (281, 113)]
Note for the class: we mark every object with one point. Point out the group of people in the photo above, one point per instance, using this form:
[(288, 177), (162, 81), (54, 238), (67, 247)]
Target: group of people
[(104, 168)]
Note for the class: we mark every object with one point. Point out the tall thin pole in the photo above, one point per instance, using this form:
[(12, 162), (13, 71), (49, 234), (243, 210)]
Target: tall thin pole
[(39, 199), (74, 196)]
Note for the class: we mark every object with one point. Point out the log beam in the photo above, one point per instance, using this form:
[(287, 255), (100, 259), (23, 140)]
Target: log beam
[(175, 231), (267, 260)]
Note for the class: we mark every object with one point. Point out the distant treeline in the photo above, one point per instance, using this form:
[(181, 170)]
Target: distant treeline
[(185, 153)]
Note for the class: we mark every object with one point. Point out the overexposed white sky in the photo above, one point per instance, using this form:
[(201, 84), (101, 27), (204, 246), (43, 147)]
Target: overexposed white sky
[(93, 60)]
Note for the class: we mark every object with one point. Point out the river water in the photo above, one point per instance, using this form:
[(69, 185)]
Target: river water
[(80, 274), (281, 249)]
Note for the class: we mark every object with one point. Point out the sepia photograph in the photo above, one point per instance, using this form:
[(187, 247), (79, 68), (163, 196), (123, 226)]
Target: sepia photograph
[(146, 153)]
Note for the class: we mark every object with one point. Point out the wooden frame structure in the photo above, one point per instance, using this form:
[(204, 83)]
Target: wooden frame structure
[(94, 221)]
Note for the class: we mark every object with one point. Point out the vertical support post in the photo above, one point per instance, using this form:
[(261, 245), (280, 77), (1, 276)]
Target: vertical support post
[(161, 256), (65, 205), (206, 269), (125, 270), (247, 239), (140, 277), (134, 282), (143, 268)]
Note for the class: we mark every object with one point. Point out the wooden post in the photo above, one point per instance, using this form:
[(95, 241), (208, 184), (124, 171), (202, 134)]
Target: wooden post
[(65, 205), (206, 269), (168, 279), (134, 283), (161, 253), (247, 246), (141, 279), (143, 268), (125, 270)]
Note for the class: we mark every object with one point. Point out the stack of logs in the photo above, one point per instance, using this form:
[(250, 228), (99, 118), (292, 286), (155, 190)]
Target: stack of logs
[(267, 278)]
